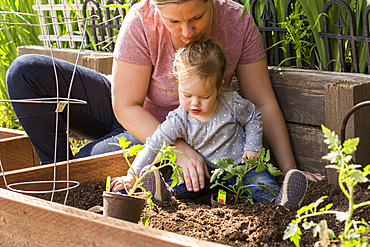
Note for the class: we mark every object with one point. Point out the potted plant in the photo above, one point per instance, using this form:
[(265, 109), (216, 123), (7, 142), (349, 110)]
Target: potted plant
[(130, 206)]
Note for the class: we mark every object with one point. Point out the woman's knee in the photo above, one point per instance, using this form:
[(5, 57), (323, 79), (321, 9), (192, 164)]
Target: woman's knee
[(25, 72), (24, 64)]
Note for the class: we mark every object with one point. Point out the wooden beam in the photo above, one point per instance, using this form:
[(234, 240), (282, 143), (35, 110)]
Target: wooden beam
[(6, 133), (99, 61), (16, 153), (308, 147), (16, 150), (93, 168), (301, 93), (340, 97), (29, 221)]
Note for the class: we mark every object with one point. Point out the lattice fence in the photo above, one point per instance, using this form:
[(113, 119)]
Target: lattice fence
[(60, 14)]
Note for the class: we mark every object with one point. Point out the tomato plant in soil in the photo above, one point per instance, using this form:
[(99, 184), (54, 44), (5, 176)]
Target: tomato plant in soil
[(259, 224)]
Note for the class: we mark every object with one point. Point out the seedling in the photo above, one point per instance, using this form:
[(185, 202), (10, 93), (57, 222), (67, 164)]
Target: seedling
[(229, 169), (349, 177), (166, 157)]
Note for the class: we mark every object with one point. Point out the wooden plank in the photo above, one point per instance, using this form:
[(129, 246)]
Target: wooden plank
[(29, 221), (300, 102), (340, 98), (16, 153), (6, 133), (308, 147), (98, 61), (301, 93), (93, 168)]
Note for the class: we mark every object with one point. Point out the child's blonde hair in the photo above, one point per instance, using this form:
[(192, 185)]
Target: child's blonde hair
[(204, 58)]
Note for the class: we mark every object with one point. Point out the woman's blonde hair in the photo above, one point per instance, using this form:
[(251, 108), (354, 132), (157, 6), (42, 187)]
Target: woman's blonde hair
[(161, 3), (204, 58)]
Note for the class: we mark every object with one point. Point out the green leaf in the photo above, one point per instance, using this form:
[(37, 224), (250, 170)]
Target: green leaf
[(331, 138), (224, 162), (358, 176), (367, 168), (177, 176), (327, 207), (240, 169), (145, 221), (135, 149), (350, 145), (333, 157), (260, 167), (267, 157), (216, 174), (123, 143), (261, 154), (307, 225), (316, 230), (342, 216), (304, 209), (293, 232)]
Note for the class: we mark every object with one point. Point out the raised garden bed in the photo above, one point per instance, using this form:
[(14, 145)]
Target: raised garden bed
[(29, 221), (261, 224), (16, 150)]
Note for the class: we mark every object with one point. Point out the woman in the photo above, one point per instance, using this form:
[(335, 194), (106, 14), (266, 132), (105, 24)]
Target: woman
[(150, 35)]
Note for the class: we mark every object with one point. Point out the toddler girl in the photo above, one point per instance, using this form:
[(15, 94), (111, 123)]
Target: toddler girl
[(216, 124)]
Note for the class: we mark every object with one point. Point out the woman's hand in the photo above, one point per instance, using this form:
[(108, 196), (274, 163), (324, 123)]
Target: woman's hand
[(118, 183), (316, 177), (194, 168)]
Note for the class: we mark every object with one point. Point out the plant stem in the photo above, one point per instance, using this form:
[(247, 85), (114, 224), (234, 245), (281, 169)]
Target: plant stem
[(348, 223)]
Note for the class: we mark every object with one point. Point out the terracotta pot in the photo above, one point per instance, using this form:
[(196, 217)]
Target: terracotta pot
[(123, 206)]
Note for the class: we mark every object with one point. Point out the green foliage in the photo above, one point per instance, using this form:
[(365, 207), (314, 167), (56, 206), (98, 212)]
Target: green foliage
[(349, 177), (229, 169), (312, 9), (166, 157), (298, 35), (76, 144), (12, 36)]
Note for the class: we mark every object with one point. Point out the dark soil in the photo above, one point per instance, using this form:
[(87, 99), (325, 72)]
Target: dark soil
[(260, 224)]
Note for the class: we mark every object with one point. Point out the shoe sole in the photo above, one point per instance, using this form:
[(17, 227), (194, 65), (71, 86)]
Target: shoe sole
[(294, 195), (157, 188)]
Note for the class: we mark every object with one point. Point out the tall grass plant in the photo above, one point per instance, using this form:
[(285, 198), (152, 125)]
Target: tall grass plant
[(313, 10), (12, 36)]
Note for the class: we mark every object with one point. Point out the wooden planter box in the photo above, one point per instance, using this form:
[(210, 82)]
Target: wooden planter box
[(16, 150), (29, 221), (309, 98)]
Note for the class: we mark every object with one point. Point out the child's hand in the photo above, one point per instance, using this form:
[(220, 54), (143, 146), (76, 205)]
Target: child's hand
[(118, 183), (248, 154)]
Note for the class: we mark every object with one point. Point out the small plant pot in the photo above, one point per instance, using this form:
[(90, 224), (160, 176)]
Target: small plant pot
[(123, 207)]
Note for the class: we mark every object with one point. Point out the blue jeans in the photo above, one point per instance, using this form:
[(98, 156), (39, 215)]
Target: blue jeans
[(265, 177), (32, 76)]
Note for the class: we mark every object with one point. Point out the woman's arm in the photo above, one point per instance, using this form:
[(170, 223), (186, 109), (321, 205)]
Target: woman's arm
[(255, 84), (129, 88)]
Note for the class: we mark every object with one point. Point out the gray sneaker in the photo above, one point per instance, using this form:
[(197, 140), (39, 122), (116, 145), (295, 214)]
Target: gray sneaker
[(155, 183), (293, 190)]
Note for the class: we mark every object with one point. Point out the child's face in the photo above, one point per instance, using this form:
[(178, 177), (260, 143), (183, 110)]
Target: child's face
[(200, 102)]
